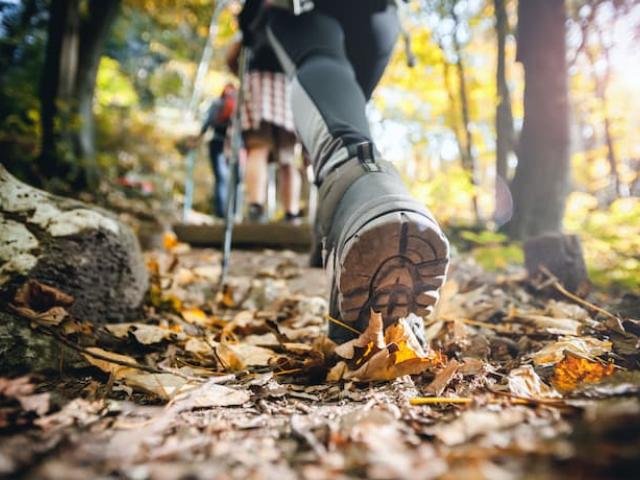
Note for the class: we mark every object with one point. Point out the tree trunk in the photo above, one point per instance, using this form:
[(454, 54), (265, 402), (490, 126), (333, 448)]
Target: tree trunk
[(540, 183), (72, 58), (58, 78), (504, 115), (93, 34), (80, 250)]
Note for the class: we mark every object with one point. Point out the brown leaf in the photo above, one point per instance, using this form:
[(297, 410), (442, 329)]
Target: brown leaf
[(144, 334), (525, 382), (210, 395), (163, 385), (583, 346), (114, 369), (40, 297), (41, 303), (443, 377), (239, 356)]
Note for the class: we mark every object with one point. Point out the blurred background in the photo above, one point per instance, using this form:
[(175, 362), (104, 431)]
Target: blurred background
[(97, 97)]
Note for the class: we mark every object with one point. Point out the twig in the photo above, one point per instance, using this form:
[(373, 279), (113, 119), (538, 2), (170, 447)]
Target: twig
[(343, 325), (287, 372), (465, 401), (558, 286), (439, 401)]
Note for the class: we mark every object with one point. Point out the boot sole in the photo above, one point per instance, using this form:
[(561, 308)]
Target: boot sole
[(395, 264)]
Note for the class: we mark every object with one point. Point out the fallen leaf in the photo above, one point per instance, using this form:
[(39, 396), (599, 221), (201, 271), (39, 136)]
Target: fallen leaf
[(184, 277), (442, 379), (211, 273), (195, 316), (525, 382), (37, 403), (583, 346), (42, 303), (210, 395), (41, 297), (198, 346), (162, 385), (377, 356), (567, 310), (371, 340), (225, 298), (265, 340), (144, 334), (114, 369), (239, 356), (556, 326), (21, 389), (474, 423), (169, 240), (574, 371)]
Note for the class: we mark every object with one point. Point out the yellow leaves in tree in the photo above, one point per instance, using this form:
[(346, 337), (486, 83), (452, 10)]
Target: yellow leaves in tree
[(375, 355), (574, 371)]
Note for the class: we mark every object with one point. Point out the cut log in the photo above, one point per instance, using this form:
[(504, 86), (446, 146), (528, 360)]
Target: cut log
[(79, 249), (561, 255)]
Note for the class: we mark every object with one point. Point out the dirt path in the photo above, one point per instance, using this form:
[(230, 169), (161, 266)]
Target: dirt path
[(501, 342)]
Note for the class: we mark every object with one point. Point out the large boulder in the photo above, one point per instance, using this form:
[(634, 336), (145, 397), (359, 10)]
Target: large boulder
[(81, 250)]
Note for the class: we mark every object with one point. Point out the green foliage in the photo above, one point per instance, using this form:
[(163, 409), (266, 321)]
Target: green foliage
[(113, 88), (610, 237)]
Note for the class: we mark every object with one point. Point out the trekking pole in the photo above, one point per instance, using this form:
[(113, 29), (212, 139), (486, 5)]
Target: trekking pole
[(188, 184), (235, 177)]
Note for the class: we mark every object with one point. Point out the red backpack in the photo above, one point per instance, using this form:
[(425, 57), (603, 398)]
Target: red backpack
[(229, 100)]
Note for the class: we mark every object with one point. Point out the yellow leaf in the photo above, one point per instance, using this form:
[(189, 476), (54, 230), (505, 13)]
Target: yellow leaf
[(114, 369), (379, 356), (574, 371), (196, 316)]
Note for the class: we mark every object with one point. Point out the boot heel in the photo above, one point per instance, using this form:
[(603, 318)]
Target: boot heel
[(394, 264)]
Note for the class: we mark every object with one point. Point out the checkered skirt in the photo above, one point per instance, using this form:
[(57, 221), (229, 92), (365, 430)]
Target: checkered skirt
[(267, 98)]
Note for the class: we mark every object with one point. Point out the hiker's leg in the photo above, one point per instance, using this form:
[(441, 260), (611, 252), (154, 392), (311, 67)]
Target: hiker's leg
[(221, 176), (258, 144), (370, 37), (327, 102), (289, 182), (382, 248)]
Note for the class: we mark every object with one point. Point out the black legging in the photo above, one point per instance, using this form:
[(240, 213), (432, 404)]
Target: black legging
[(336, 55)]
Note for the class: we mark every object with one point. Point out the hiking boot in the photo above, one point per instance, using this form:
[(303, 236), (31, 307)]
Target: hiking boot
[(384, 250), (256, 213)]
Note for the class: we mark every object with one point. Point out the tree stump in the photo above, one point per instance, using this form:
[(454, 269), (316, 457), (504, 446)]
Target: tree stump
[(81, 250), (561, 255)]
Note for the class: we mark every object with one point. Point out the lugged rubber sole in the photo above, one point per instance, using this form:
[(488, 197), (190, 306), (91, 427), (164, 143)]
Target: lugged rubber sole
[(395, 264)]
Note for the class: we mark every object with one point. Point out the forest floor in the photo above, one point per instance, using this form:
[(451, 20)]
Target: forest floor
[(519, 381)]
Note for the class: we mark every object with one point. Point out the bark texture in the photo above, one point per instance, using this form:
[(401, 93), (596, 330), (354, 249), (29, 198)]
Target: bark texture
[(81, 250), (77, 32), (540, 183), (562, 256)]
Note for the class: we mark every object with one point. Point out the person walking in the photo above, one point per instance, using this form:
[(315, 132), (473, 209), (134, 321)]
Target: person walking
[(383, 249), (268, 133), (217, 120)]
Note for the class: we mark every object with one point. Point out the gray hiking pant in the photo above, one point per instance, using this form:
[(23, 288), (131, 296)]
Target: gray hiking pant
[(335, 56)]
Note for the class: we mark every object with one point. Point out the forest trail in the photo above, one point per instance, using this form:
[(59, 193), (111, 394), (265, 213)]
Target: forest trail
[(528, 383)]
